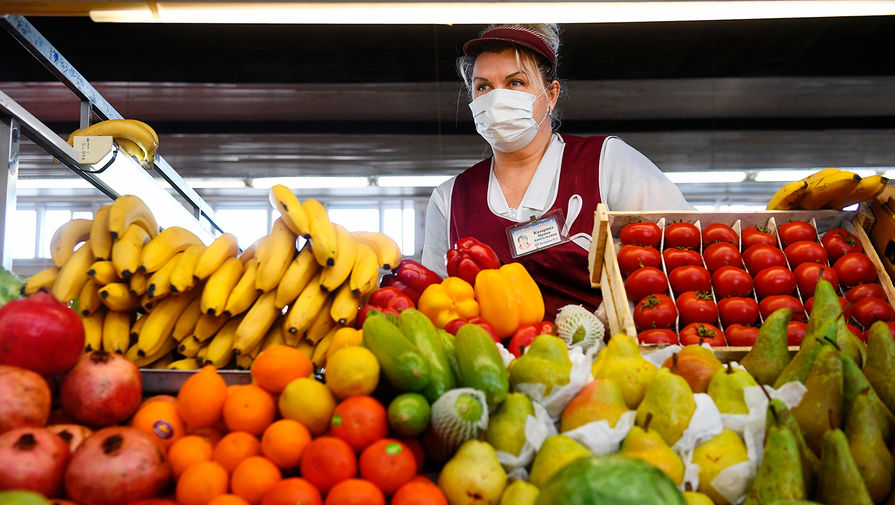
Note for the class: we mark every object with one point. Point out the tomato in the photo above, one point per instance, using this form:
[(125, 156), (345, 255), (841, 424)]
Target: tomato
[(698, 333), (675, 257), (740, 335), (643, 234), (890, 324), (645, 281), (775, 281), (738, 309), (804, 251), (719, 232), (657, 336), (761, 256), (769, 304), (690, 278), (868, 310), (795, 333), (632, 257), (683, 235), (754, 235), (856, 331), (655, 311), (846, 306), (838, 242), (853, 269), (863, 291), (796, 231), (697, 307), (731, 281), (721, 254), (807, 275)]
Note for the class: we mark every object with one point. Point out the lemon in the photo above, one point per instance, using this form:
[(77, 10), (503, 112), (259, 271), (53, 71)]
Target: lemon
[(309, 402), (352, 371)]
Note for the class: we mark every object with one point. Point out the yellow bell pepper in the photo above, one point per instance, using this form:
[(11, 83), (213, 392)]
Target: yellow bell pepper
[(448, 300), (508, 298)]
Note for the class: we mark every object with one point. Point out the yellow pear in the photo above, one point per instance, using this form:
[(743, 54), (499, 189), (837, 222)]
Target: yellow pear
[(648, 445), (669, 403), (724, 450), (621, 361), (601, 399)]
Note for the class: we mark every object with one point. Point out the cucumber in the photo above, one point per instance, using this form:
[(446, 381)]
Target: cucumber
[(420, 331), (400, 361), (481, 366), (447, 342)]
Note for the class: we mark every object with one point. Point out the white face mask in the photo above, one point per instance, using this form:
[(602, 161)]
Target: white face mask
[(505, 118)]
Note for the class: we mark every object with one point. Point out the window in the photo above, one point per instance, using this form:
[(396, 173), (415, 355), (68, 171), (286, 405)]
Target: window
[(247, 224), (23, 234)]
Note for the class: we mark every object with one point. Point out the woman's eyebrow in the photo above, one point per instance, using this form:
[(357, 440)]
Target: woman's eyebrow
[(514, 74)]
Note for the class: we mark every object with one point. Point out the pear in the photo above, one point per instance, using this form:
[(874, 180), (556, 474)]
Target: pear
[(519, 492), (828, 308), (880, 362), (670, 401), (556, 452), (621, 361), (599, 400), (779, 414), (872, 457), (473, 476), (697, 498), (823, 395), (546, 362), (696, 365), (648, 445), (726, 389), (800, 365), (723, 450), (855, 383), (841, 483), (769, 354), (780, 473), (22, 497), (506, 428)]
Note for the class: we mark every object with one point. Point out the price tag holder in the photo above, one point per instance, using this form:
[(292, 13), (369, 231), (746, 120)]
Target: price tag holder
[(537, 234), (92, 149)]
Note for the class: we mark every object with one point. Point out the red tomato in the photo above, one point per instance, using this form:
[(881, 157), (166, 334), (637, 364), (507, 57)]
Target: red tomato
[(854, 268), (697, 307), (807, 275), (775, 281), (698, 333), (731, 281), (721, 254), (679, 257), (690, 278), (645, 281), (683, 235), (740, 335), (863, 291), (719, 232), (738, 309), (761, 256), (804, 251), (657, 336), (838, 242), (890, 324), (632, 257), (846, 306), (655, 311), (795, 333), (644, 234), (754, 235), (868, 310), (769, 304), (796, 231), (856, 331)]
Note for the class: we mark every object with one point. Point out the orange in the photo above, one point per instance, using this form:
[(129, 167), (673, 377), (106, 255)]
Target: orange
[(235, 447), (160, 420), (248, 408), (355, 492), (284, 441), (279, 365), (201, 482), (360, 421), (212, 434), (328, 461), (188, 450), (228, 499), (253, 477), (201, 398), (419, 491), (388, 464), (292, 491)]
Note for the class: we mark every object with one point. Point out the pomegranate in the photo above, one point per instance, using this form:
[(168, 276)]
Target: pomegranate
[(33, 459), (40, 333), (73, 434), (116, 465), (102, 389), (24, 398)]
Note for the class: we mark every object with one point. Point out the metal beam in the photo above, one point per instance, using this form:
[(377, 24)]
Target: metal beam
[(9, 153)]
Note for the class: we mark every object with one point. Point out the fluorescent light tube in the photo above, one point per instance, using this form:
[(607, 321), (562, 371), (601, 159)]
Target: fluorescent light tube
[(61, 183), (310, 182), (410, 181), (707, 177), (215, 182), (783, 175)]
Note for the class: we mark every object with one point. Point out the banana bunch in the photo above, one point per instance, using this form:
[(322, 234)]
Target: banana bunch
[(830, 188), (136, 138)]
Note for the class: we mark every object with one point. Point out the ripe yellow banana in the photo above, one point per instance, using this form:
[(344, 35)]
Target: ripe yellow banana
[(273, 338), (182, 278), (41, 280), (215, 255), (333, 276), (345, 305), (73, 275), (117, 331), (137, 327), (291, 339), (103, 272), (93, 330), (305, 347), (256, 322), (186, 323), (139, 283), (297, 276), (306, 307), (166, 244), (220, 347), (280, 250), (146, 302), (828, 187), (243, 361), (160, 280), (365, 273), (135, 131), (184, 364), (868, 188), (163, 362), (788, 196), (88, 299), (189, 347), (160, 322), (100, 239), (285, 201), (126, 250), (67, 236), (219, 286), (323, 235), (127, 210), (147, 128), (244, 293), (207, 326), (387, 251), (200, 356), (131, 148), (322, 323), (133, 353), (249, 253), (117, 296), (320, 350)]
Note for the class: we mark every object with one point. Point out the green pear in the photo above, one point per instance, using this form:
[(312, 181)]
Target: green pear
[(473, 476), (823, 395), (770, 353), (871, 454), (828, 308), (780, 473), (546, 362), (601, 399), (855, 383), (648, 445), (726, 389), (697, 498), (723, 450), (519, 492), (841, 483), (800, 365), (622, 361), (22, 498), (880, 362), (506, 428), (556, 452), (779, 414), (670, 401)]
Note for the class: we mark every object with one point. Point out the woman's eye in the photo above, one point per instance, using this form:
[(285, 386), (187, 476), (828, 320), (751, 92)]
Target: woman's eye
[(516, 83), (481, 87)]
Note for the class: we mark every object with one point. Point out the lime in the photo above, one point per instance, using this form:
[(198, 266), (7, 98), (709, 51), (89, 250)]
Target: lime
[(408, 414)]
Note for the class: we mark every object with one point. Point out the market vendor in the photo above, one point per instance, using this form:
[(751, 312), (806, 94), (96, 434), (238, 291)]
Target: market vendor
[(533, 201)]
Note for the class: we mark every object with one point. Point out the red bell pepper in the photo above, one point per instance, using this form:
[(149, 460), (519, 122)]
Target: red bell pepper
[(392, 280), (455, 324), (416, 276), (388, 300), (468, 257), (525, 335)]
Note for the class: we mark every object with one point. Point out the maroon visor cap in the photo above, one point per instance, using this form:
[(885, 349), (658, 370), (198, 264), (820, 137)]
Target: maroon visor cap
[(515, 35)]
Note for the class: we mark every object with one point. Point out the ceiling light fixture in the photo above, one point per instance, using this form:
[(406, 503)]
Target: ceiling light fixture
[(410, 181), (783, 175), (56, 183), (310, 182), (215, 182), (708, 177)]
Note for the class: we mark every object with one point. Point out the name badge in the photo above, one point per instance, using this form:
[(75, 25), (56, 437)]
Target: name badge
[(537, 234)]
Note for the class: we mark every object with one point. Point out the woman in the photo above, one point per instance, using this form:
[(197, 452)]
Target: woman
[(538, 182)]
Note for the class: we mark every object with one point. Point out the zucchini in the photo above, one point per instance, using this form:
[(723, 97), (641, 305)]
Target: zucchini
[(401, 362), (420, 331), (481, 366)]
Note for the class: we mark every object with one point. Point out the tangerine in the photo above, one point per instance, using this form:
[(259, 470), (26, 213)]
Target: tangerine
[(248, 408), (292, 491), (201, 482), (160, 420), (200, 400), (252, 477), (279, 365), (284, 441), (228, 499), (235, 447), (188, 450)]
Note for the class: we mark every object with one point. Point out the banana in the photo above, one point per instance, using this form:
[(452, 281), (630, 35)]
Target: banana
[(249, 253), (93, 330), (297, 276), (387, 251), (256, 322), (868, 188), (135, 131), (163, 362), (139, 283), (116, 331), (186, 323), (131, 148), (219, 286), (146, 302), (189, 347), (280, 250), (133, 353), (146, 127), (273, 338), (127, 210), (118, 296), (88, 299), (306, 347), (200, 356), (160, 322), (220, 347), (323, 235), (166, 244), (73, 275), (243, 361), (306, 307), (824, 189), (333, 276), (184, 364), (103, 272), (285, 201), (207, 326), (321, 324), (160, 280), (126, 250), (41, 280), (215, 255), (365, 272), (291, 339), (182, 278), (345, 305), (318, 357), (100, 240), (137, 327), (244, 293), (67, 236)]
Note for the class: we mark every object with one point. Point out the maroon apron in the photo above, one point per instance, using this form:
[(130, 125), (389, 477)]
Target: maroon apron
[(561, 271)]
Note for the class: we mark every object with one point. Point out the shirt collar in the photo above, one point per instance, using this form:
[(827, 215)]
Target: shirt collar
[(540, 191)]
